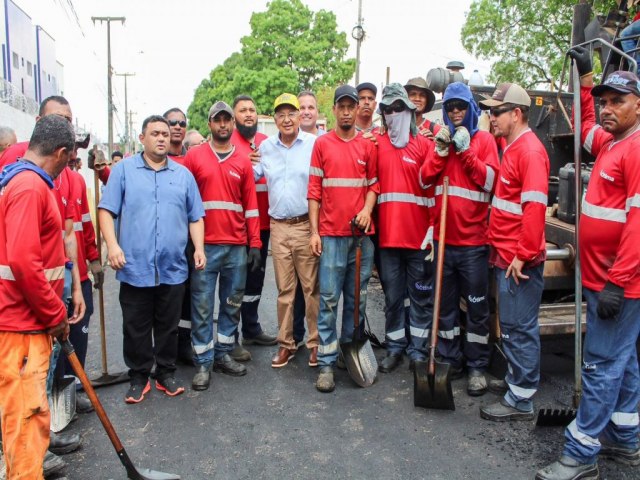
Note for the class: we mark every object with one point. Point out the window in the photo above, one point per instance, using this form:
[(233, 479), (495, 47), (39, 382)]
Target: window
[(48, 78), (16, 60), (22, 61), (29, 69)]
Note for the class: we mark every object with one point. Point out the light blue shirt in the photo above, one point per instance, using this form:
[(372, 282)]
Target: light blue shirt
[(287, 172), (154, 209)]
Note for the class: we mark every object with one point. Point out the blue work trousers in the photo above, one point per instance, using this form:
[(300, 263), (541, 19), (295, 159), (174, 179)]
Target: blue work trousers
[(518, 307), (610, 383), (337, 276), (229, 264), (405, 271)]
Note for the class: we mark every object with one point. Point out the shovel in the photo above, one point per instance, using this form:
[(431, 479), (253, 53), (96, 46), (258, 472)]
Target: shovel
[(358, 354), (62, 403), (133, 473), (431, 380)]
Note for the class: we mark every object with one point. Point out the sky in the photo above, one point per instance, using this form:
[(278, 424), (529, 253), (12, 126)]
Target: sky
[(171, 46)]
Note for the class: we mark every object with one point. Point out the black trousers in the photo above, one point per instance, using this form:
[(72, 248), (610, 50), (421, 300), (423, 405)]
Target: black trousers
[(150, 317)]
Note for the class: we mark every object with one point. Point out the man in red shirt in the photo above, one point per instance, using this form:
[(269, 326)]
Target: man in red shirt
[(607, 420), (367, 92), (32, 266), (343, 187), (518, 249), (228, 191), (423, 98), (178, 129)]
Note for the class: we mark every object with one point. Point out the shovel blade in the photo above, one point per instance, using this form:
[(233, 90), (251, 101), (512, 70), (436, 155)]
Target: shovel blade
[(107, 379), (62, 403), (550, 417), (146, 474), (432, 391), (360, 361)]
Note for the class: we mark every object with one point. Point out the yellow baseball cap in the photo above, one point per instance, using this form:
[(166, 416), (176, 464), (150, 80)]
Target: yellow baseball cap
[(286, 99)]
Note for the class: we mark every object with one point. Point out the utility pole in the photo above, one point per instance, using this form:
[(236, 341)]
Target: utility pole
[(358, 34), (108, 20), (132, 140), (127, 130)]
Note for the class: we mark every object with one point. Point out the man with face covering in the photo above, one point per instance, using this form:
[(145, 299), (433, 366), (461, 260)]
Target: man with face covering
[(469, 157), (403, 229)]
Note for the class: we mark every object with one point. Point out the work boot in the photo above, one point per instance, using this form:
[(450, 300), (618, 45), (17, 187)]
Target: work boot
[(283, 357), (261, 339), (52, 464), (503, 412), (325, 381), (240, 354), (499, 387), (83, 404), (390, 363), (477, 384), (229, 366), (568, 469), (619, 454), (201, 378), (313, 357), (63, 443)]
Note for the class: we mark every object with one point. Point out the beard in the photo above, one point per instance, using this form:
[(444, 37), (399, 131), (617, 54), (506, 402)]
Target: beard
[(247, 132)]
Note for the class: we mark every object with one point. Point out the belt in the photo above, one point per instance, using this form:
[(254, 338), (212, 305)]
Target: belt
[(292, 220)]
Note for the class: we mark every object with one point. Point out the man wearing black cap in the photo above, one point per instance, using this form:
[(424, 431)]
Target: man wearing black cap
[(367, 92), (343, 187), (423, 98), (606, 423)]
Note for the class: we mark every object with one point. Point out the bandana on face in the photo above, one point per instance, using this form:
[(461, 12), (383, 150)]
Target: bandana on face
[(399, 127)]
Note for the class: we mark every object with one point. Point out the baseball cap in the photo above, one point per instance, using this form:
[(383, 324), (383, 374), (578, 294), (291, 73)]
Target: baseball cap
[(421, 83), (507, 93), (286, 99), (345, 91), (218, 107), (367, 86), (620, 81)]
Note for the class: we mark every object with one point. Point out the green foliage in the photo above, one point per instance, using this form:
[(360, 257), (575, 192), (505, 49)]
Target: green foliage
[(526, 39), (290, 48)]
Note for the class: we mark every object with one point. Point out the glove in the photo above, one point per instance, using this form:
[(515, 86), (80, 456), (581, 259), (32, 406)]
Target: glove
[(443, 140), (253, 259), (610, 301), (91, 158), (582, 57), (98, 274), (428, 243), (461, 139)]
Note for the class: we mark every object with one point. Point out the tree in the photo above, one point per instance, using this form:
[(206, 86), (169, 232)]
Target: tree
[(526, 38), (290, 49)]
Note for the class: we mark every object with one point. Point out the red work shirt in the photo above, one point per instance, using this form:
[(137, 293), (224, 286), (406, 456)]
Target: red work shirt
[(13, 153), (82, 225)]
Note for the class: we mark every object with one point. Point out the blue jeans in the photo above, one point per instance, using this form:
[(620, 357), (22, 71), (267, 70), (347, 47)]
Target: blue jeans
[(337, 276), (466, 274), (518, 308), (405, 270), (633, 29), (610, 383), (229, 262)]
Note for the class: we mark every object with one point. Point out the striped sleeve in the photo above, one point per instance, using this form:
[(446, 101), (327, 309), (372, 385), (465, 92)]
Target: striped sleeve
[(593, 136), (316, 173), (534, 170)]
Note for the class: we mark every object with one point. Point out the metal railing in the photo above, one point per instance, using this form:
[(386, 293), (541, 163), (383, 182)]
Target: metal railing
[(11, 95)]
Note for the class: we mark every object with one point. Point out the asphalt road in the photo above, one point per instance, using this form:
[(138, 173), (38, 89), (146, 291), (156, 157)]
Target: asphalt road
[(272, 423)]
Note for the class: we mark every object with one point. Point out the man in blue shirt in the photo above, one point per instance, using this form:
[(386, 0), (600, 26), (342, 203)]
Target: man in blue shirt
[(159, 207), (285, 159)]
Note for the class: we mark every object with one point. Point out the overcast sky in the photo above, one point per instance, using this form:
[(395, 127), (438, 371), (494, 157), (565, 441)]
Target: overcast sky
[(172, 45)]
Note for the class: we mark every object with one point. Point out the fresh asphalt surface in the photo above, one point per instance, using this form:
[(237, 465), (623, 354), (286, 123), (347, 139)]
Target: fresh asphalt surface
[(274, 424)]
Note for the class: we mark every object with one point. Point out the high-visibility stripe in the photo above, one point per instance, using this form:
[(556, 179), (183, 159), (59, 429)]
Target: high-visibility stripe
[(251, 213), (624, 419), (226, 339), (507, 206), (521, 392), (200, 349), (490, 178), (344, 182), (250, 298), (407, 302), (372, 181), (633, 201), (261, 187), (395, 335), (330, 348), (449, 334), (533, 196), (475, 196), (588, 142), (404, 198), (318, 172), (184, 324), (51, 274), (419, 332), (86, 217), (604, 213), (472, 337), (220, 205), (6, 273), (77, 226), (422, 184), (582, 438)]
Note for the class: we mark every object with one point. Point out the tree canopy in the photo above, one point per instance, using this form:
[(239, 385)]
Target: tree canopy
[(290, 49)]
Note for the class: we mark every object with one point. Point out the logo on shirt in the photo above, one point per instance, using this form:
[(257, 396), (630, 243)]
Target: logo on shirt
[(475, 299), (409, 160), (78, 201), (64, 201), (604, 175), (234, 174), (361, 162), (504, 180)]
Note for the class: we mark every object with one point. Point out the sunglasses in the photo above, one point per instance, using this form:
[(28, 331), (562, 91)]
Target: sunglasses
[(182, 123), (393, 108), (456, 105), (496, 112)]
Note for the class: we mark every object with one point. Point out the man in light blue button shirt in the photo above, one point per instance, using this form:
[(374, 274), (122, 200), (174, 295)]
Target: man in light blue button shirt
[(284, 162)]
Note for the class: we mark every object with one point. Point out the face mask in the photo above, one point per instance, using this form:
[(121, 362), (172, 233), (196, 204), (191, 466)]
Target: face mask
[(398, 126)]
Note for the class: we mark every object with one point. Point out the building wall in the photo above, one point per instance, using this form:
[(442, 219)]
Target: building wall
[(21, 122), (22, 46), (47, 78), (3, 42)]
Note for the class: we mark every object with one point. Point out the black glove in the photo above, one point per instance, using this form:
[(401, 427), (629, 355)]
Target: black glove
[(253, 259), (610, 301), (582, 56)]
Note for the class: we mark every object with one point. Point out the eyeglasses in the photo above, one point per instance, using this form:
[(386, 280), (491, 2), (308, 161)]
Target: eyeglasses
[(496, 112), (173, 123), (452, 105), (291, 116), (393, 108)]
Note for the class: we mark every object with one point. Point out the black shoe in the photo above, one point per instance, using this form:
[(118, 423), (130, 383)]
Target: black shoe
[(169, 386), (83, 404), (136, 392), (568, 469), (503, 412), (202, 378), (390, 363), (477, 383), (229, 366), (63, 443), (619, 454), (52, 464), (261, 339), (499, 387)]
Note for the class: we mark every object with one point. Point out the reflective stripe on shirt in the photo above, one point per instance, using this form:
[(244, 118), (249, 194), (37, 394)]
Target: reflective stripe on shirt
[(491, 176), (344, 182), (219, 205), (588, 141), (77, 226), (472, 195), (261, 187), (51, 274), (604, 213), (533, 196), (507, 206), (403, 197), (318, 172)]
